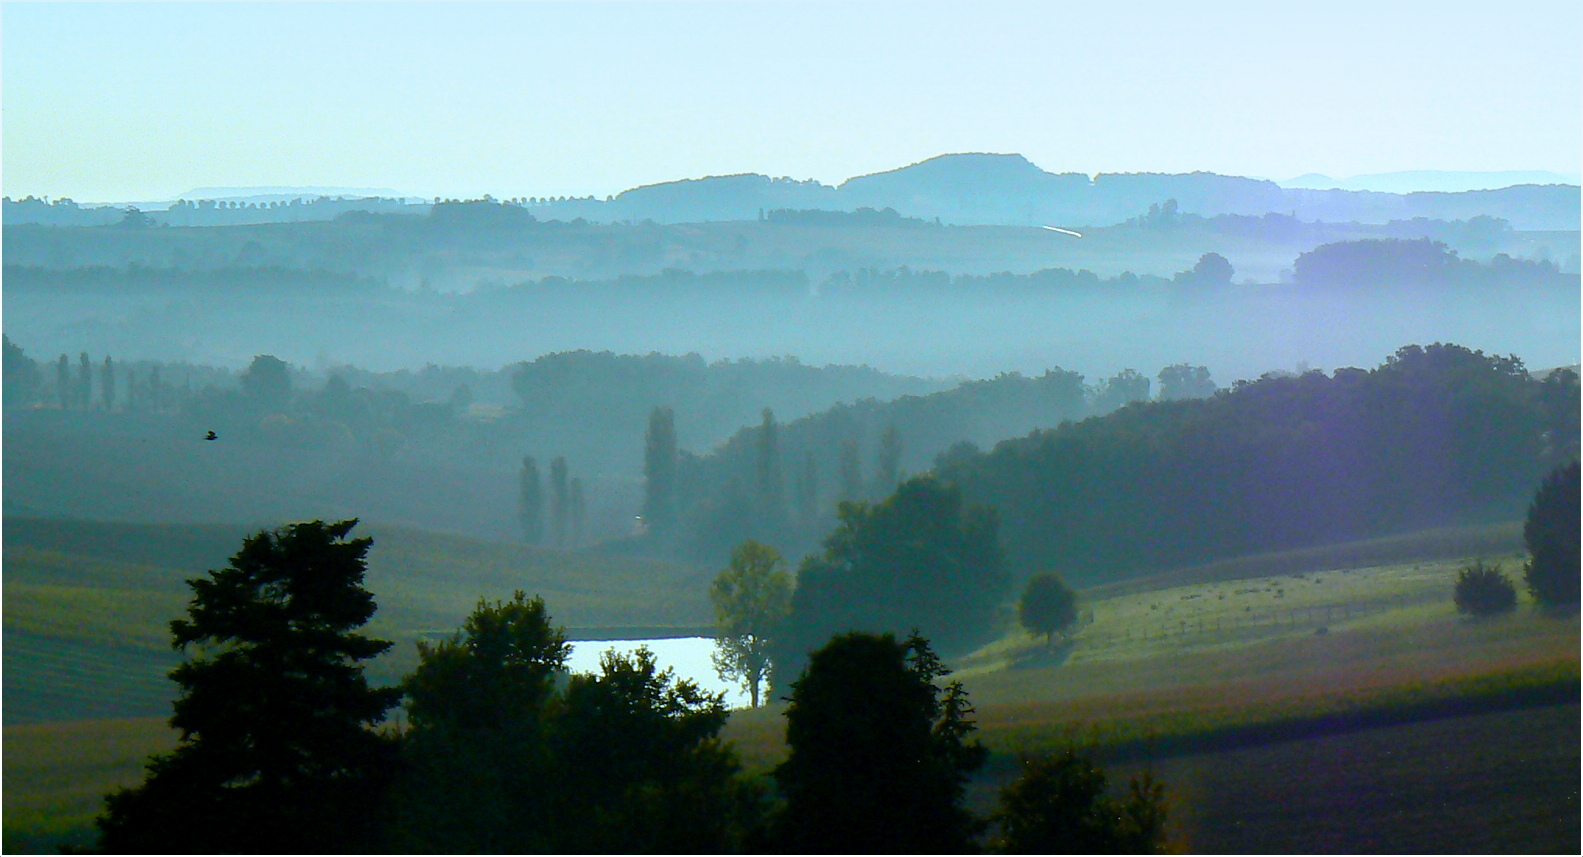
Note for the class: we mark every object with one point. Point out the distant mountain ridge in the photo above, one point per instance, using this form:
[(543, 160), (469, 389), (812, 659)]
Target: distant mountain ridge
[(1417, 181), (1008, 190)]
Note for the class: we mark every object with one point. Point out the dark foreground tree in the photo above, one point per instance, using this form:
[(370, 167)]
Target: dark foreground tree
[(1059, 806), (479, 776), (276, 753), (1048, 606), (507, 755), (642, 767), (879, 754), (1551, 533), (1482, 590)]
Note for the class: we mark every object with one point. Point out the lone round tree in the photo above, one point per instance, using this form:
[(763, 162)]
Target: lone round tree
[(275, 753), (751, 598), (1048, 606)]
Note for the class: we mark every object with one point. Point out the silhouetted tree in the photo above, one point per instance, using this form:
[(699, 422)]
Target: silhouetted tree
[(63, 388), (1181, 381), (1482, 590), (919, 559), (659, 471), (530, 502), (479, 775), (878, 753), (107, 384), (1047, 606), (642, 767), (275, 752), (1551, 534), (21, 376), (1059, 806), (560, 500), (887, 465), (267, 381), (1212, 269), (84, 381), (1123, 388), (751, 598), (771, 496), (156, 389)]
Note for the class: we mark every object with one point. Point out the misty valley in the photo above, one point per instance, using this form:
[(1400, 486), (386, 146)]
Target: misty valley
[(1003, 510)]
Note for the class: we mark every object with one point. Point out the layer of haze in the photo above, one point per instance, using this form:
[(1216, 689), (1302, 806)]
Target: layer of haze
[(135, 101)]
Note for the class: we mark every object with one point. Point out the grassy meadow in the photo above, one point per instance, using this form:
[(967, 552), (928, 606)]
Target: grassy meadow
[(1355, 692), (1225, 678), (87, 605)]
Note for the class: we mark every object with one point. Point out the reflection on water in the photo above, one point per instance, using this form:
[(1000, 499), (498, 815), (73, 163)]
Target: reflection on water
[(689, 656)]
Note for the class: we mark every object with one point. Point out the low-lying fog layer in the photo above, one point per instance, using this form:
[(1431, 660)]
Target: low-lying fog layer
[(1237, 331)]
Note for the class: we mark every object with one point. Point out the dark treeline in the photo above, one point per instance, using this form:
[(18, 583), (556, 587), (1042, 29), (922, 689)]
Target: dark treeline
[(1435, 436), (1397, 264), (823, 217), (672, 283), (780, 483), (1475, 233), (195, 212), (1390, 263), (439, 447), (136, 280)]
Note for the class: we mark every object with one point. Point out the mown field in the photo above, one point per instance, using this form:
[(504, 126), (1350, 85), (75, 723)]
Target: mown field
[(87, 604), (1352, 693), (1356, 695)]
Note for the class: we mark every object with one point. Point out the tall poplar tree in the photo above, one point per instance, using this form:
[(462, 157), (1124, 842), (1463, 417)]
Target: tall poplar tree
[(84, 381), (530, 502), (107, 383), (887, 469), (771, 494), (63, 388), (659, 471), (560, 500)]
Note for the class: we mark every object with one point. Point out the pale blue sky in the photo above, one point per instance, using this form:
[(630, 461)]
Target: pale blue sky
[(142, 102)]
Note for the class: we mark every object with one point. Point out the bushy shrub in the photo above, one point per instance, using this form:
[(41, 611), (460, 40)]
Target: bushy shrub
[(1059, 806), (1482, 590)]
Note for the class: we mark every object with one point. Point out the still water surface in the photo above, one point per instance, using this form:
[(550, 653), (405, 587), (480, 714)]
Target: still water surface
[(689, 656)]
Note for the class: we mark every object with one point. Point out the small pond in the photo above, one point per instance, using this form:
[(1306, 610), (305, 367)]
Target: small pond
[(689, 656)]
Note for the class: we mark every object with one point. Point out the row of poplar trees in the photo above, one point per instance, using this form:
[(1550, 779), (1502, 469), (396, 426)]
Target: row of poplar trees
[(568, 506), (668, 498)]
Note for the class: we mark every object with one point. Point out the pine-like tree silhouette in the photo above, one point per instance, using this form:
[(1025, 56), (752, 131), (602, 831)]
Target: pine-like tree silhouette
[(276, 754)]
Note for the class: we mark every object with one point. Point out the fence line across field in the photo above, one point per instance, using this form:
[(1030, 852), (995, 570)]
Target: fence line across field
[(1316, 616)]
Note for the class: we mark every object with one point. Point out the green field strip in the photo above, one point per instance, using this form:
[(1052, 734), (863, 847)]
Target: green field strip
[(48, 679)]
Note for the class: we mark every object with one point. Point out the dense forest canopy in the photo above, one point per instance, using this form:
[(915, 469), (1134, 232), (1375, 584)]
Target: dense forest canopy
[(1437, 435)]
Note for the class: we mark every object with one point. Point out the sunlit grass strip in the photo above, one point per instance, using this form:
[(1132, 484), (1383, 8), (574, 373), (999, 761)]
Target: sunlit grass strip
[(57, 774), (1185, 722)]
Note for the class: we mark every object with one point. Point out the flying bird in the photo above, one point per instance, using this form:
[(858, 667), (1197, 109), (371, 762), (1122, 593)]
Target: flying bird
[(1064, 231), (211, 436)]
